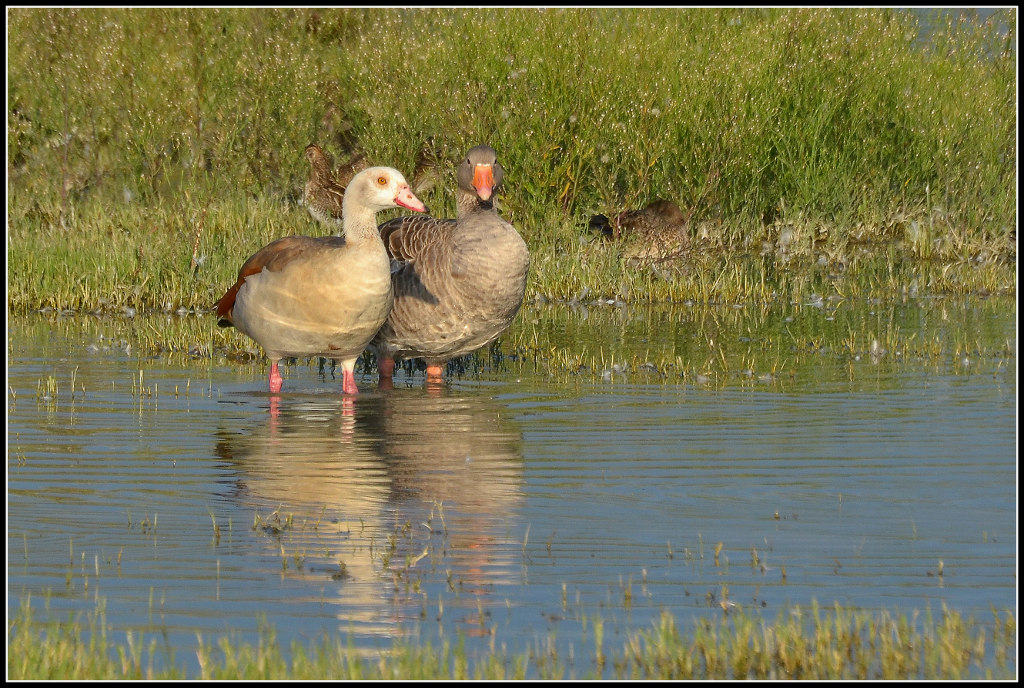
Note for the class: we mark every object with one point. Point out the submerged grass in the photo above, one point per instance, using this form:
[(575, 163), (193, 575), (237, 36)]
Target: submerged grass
[(800, 643), (596, 340), (151, 150)]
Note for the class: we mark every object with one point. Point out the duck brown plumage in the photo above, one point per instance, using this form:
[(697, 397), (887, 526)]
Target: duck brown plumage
[(458, 282), (324, 192), (656, 232)]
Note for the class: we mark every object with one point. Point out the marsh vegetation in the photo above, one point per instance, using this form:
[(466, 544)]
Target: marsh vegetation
[(809, 644), (829, 150)]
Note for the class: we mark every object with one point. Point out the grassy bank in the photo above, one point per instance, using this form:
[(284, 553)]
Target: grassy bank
[(151, 150), (800, 644)]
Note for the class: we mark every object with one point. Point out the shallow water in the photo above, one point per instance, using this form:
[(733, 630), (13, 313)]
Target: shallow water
[(531, 495)]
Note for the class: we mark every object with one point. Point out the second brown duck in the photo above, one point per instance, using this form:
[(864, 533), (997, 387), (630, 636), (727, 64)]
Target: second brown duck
[(324, 192), (660, 220), (458, 282)]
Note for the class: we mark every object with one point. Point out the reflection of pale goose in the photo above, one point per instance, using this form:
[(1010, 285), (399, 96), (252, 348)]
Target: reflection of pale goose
[(319, 493), (397, 460), (308, 457)]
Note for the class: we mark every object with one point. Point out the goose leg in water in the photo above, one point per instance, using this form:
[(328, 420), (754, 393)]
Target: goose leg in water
[(348, 378), (435, 374), (386, 373), (275, 378)]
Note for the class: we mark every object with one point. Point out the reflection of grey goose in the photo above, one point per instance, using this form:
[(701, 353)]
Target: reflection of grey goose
[(326, 296), (458, 282)]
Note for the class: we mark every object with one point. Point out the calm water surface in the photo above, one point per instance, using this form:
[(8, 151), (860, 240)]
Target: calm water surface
[(522, 500)]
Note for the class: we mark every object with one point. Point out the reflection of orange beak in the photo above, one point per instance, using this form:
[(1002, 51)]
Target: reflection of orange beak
[(483, 181)]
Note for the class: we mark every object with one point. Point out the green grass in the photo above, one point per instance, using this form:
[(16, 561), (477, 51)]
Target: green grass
[(795, 338), (152, 150), (800, 643)]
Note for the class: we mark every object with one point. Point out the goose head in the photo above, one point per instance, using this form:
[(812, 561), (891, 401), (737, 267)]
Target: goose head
[(380, 188), (479, 172)]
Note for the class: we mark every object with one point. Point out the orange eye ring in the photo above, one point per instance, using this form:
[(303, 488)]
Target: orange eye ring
[(382, 180)]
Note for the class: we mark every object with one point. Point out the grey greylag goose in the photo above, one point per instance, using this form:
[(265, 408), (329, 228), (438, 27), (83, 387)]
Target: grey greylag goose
[(323, 296), (458, 282)]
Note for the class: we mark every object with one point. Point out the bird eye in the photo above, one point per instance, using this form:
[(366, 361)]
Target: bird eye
[(383, 181)]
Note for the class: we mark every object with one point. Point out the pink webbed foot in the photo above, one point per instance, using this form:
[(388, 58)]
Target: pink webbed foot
[(435, 374), (435, 380)]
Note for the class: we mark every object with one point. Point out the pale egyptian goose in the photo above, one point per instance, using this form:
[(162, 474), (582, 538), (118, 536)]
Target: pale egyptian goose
[(458, 282), (327, 296)]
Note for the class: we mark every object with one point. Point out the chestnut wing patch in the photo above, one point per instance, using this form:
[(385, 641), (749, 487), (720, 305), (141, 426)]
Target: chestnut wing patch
[(274, 256)]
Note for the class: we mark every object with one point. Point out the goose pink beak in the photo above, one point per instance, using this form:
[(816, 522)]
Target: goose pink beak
[(407, 199), (483, 181)]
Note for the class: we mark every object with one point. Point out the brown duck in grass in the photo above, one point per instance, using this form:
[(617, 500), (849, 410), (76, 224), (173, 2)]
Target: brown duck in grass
[(325, 191), (656, 232), (303, 296), (459, 281)]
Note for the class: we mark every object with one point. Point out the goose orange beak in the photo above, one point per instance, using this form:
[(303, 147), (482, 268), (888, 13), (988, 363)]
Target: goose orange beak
[(483, 181)]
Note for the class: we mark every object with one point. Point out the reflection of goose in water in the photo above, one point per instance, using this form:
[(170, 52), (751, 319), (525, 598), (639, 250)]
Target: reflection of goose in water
[(318, 492), (361, 488), (458, 452)]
